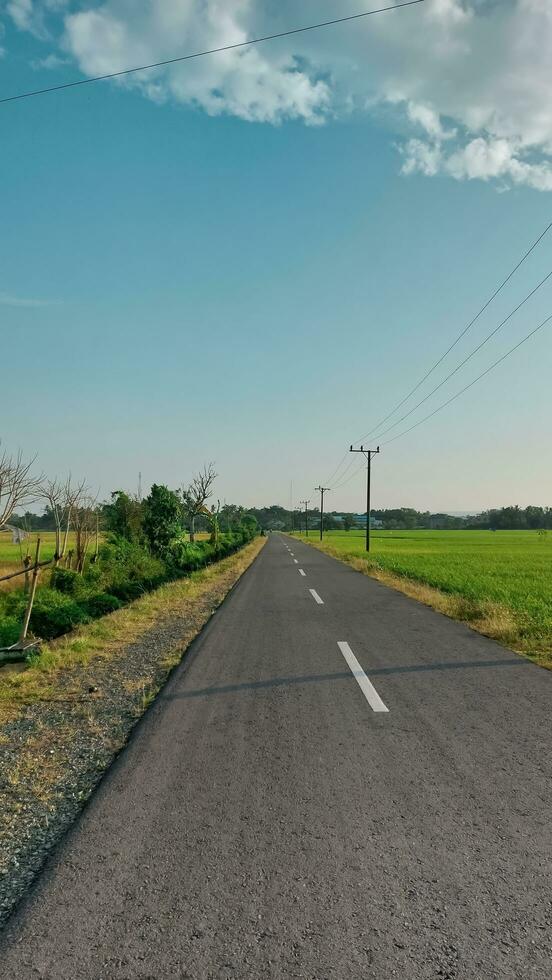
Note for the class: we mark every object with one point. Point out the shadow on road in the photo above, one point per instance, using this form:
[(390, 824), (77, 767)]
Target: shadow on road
[(342, 675)]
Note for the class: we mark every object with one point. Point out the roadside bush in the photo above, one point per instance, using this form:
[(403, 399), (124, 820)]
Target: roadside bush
[(66, 581), (54, 614), (10, 628), (101, 604), (124, 571), (186, 556)]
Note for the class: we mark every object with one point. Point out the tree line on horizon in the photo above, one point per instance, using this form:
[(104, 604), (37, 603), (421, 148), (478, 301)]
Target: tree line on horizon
[(278, 518), (67, 502)]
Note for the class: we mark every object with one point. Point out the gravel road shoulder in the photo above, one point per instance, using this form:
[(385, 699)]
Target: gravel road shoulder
[(55, 748)]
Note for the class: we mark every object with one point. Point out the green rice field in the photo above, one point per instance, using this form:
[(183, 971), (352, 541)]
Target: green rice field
[(12, 555), (511, 570)]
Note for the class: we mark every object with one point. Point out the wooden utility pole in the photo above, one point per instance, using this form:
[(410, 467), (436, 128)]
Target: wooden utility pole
[(368, 453), (306, 503), (322, 490)]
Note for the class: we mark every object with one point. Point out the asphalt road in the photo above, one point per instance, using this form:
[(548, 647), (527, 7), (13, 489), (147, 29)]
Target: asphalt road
[(270, 818)]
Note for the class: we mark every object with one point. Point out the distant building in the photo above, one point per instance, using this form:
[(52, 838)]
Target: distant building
[(17, 533), (360, 519)]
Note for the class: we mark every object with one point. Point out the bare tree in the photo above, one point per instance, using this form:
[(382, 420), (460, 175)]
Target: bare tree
[(194, 496), (17, 484), (85, 522), (71, 495), (61, 497), (53, 494)]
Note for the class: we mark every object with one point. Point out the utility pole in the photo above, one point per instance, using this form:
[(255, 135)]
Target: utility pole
[(291, 503), (368, 453), (306, 503), (322, 490)]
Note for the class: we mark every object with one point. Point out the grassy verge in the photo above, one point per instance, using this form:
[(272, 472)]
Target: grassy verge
[(499, 620), (106, 637)]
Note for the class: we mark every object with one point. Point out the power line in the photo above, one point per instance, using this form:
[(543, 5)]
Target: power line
[(457, 394), (459, 337), (338, 467), (468, 358), (349, 478), (472, 383), (346, 470), (202, 54)]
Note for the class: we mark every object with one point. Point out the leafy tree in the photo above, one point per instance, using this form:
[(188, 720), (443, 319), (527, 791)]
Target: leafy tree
[(124, 516), (250, 523), (162, 518), (231, 516), (348, 521)]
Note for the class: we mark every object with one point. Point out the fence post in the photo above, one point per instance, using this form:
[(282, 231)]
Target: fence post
[(29, 608), (27, 565)]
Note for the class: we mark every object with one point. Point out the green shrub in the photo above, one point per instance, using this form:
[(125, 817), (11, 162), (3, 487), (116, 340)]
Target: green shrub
[(54, 613), (66, 581), (124, 571), (186, 556), (101, 604), (13, 604), (10, 628)]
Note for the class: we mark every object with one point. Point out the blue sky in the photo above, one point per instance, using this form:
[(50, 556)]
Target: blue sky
[(258, 287)]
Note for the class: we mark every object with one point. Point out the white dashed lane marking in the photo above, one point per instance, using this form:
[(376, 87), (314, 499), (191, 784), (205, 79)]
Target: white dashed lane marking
[(316, 597), (365, 685)]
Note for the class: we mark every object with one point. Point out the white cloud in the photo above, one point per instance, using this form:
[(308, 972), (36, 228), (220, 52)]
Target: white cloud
[(428, 119), (486, 159), (31, 15), (7, 299), (50, 62), (480, 159), (21, 12), (469, 80), (247, 83), (421, 157)]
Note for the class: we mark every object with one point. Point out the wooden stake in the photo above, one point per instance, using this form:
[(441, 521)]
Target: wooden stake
[(29, 609)]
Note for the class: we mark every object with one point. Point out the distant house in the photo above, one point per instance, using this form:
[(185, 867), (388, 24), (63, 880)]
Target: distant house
[(17, 533), (360, 519)]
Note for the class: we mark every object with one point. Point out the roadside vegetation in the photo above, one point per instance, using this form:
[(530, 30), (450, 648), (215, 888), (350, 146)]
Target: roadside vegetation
[(100, 556), (498, 582), (192, 599), (119, 593)]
